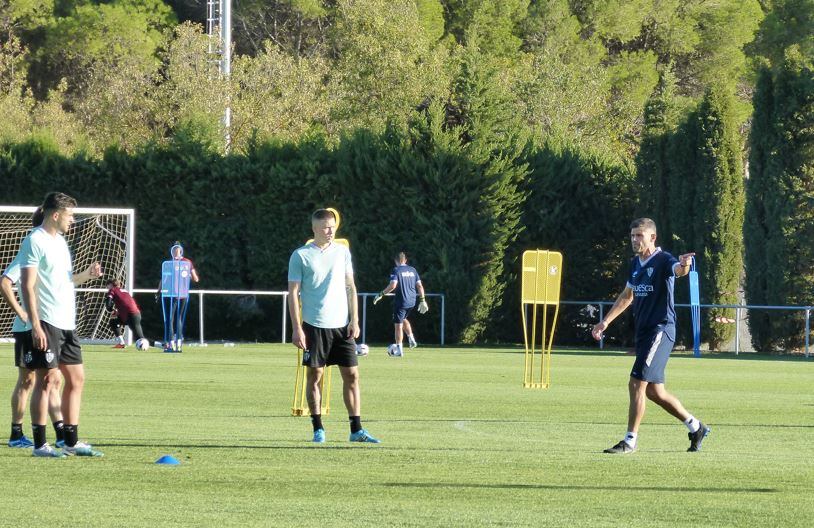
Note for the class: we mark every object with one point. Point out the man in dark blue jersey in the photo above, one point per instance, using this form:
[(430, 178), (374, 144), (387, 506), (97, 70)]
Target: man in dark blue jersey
[(650, 289), (404, 280)]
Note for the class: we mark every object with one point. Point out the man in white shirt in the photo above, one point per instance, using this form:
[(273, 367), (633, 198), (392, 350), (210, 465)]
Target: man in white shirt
[(48, 285), (320, 274)]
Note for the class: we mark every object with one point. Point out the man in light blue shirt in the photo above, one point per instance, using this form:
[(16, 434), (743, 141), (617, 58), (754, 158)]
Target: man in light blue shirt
[(320, 275), (48, 291)]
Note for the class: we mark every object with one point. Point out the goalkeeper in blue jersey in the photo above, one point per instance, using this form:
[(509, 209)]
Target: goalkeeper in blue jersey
[(406, 283)]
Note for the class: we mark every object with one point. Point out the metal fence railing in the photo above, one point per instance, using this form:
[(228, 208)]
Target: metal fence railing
[(737, 307), (201, 294)]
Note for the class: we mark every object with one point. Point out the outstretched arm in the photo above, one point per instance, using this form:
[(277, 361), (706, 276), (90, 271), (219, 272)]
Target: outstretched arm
[(390, 287), (683, 266), (94, 271), (622, 302)]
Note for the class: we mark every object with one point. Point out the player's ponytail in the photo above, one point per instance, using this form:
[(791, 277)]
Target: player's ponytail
[(37, 217)]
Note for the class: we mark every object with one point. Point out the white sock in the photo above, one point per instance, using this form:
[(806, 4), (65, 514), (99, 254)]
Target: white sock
[(692, 424), (401, 349), (630, 438), (120, 340)]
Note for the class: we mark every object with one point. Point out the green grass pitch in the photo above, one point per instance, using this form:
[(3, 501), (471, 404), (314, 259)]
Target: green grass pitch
[(463, 444)]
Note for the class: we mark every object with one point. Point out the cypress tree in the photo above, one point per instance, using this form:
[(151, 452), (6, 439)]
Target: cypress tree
[(790, 200), (755, 233), (719, 199), (653, 162), (706, 206)]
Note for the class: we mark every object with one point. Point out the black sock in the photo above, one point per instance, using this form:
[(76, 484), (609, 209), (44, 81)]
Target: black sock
[(39, 435), (16, 431), (316, 421), (59, 429), (71, 433), (355, 423)]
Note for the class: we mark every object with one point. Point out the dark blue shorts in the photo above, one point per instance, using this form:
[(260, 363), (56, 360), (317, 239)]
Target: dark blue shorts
[(652, 353), (400, 313)]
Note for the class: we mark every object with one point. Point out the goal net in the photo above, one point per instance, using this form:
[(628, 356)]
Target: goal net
[(97, 235)]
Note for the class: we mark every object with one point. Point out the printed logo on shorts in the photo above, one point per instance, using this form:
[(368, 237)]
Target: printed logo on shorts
[(28, 358), (49, 356), (306, 356)]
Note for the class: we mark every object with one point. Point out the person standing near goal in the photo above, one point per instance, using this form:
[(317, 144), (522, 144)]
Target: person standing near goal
[(21, 330), (48, 284), (404, 280), (650, 290), (320, 275)]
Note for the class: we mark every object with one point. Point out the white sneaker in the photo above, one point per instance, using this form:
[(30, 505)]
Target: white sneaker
[(47, 451), (412, 342), (81, 449)]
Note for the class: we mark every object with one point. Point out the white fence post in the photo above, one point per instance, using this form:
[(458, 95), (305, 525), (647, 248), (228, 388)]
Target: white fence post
[(201, 317), (285, 319)]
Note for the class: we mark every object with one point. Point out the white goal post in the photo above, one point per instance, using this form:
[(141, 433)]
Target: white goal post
[(105, 235)]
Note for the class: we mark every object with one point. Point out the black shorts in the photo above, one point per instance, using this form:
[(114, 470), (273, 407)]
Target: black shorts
[(652, 353), (23, 346), (328, 346), (400, 313), (62, 349)]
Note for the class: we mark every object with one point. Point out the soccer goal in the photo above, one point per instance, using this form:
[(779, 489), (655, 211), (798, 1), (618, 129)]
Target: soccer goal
[(97, 235)]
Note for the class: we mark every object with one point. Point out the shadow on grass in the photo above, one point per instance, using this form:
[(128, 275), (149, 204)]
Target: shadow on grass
[(669, 489), (743, 356)]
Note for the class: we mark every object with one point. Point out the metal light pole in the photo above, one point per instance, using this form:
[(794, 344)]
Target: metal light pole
[(219, 29)]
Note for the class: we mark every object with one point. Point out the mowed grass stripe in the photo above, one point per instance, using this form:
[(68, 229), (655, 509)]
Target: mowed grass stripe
[(464, 444)]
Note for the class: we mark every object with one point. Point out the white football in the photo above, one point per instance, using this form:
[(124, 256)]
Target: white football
[(361, 350), (393, 350), (143, 344)]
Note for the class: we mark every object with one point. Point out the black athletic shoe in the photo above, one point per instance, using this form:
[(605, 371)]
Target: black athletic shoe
[(622, 448), (697, 437)]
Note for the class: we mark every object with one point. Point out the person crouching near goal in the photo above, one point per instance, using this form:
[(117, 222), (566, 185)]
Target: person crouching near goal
[(124, 311)]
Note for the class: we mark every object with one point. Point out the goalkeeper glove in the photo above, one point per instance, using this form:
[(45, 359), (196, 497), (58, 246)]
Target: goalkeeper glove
[(378, 297), (422, 305)]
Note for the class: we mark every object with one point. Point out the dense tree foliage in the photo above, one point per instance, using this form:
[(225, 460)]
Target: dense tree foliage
[(780, 225), (577, 69), (492, 111)]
